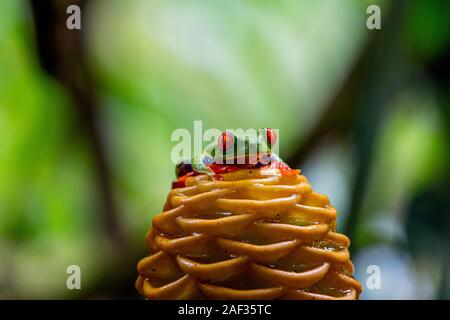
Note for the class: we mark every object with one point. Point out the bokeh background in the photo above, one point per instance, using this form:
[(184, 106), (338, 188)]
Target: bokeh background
[(86, 118)]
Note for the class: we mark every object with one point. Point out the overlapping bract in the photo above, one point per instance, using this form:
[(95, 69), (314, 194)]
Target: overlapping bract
[(248, 236)]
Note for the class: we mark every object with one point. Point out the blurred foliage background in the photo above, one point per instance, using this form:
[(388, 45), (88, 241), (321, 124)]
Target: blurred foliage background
[(86, 118)]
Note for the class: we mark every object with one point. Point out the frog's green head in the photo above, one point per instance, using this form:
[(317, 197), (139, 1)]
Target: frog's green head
[(232, 149), (233, 152)]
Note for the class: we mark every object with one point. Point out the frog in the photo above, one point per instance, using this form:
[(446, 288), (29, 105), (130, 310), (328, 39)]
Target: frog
[(233, 152)]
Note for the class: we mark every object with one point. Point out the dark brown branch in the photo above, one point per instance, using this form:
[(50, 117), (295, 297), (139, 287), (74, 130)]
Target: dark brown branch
[(62, 54), (359, 106)]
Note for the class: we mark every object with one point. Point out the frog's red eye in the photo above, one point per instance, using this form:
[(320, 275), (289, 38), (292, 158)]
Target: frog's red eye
[(271, 136), (225, 141)]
